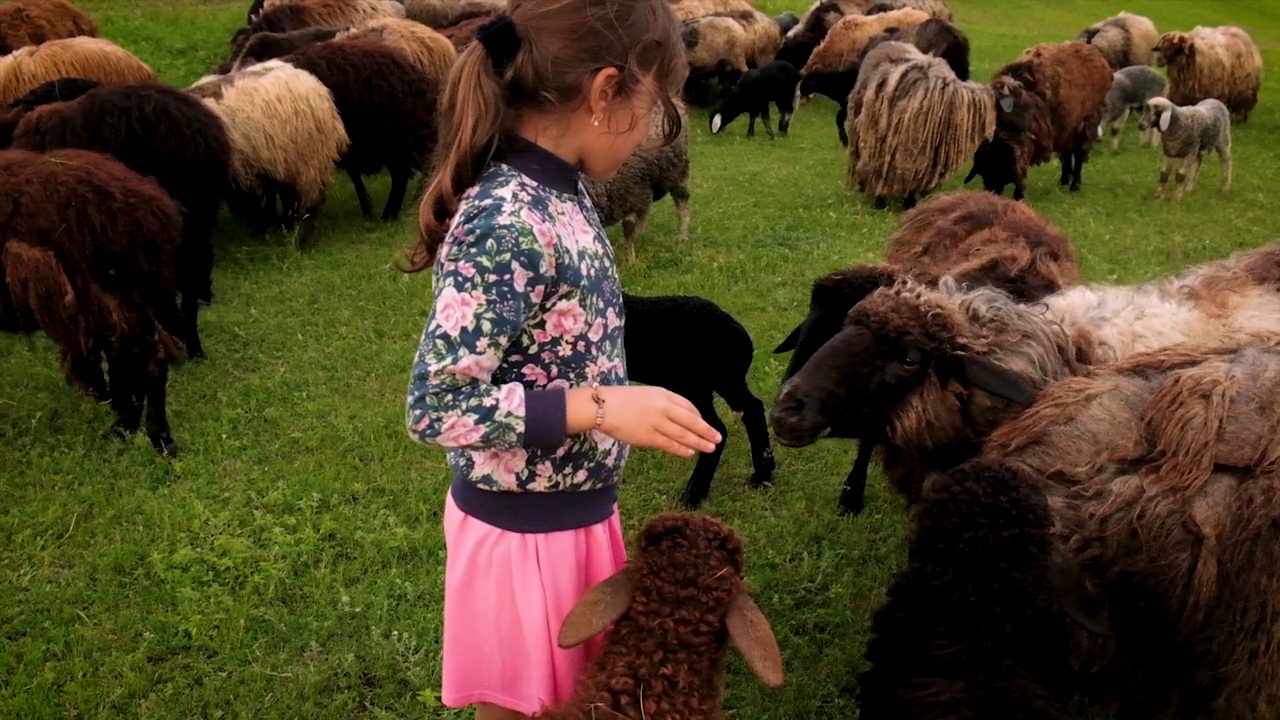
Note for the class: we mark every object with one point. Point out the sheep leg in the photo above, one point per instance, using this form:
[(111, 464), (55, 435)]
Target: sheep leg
[(395, 199), (157, 385), (751, 123), (362, 194), (881, 203), (1077, 168), (191, 334), (1224, 155), (1116, 126), (842, 116), (630, 226), (86, 372), (1019, 185), (1193, 176), (854, 492), (1165, 166), (1180, 182), (290, 205), (909, 201), (768, 121), (1065, 177), (125, 400), (699, 484), (741, 400), (310, 224), (680, 194)]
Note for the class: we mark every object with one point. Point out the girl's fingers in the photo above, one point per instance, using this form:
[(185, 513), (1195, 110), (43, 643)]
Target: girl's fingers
[(685, 437), (693, 422)]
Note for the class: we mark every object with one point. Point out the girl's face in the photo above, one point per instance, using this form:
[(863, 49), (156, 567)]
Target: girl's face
[(623, 125)]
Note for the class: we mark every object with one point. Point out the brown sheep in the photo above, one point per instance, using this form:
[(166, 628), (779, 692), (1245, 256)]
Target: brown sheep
[(87, 58), (763, 36), (1049, 100), (463, 32), (842, 48), (430, 51), (265, 46), (1124, 39), (88, 256), (1213, 62), (912, 123), (975, 237), (440, 14), (690, 9), (928, 372), (31, 22), (299, 14), (667, 620)]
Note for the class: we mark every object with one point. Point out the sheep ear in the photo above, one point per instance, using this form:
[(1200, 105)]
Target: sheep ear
[(715, 123), (1068, 588), (789, 343), (596, 610), (1000, 381), (751, 634), (1165, 117), (1006, 103)]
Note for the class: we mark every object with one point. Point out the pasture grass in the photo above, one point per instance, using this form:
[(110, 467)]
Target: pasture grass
[(289, 562)]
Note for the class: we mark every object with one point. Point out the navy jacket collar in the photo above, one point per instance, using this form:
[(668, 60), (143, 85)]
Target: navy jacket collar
[(539, 164)]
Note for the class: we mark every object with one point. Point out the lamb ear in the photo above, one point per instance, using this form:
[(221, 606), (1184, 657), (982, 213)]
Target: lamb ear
[(1165, 118), (1006, 103), (597, 609), (752, 635), (1068, 588), (715, 123), (1002, 382), (788, 344)]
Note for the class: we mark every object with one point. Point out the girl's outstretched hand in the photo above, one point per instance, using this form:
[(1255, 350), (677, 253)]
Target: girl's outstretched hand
[(644, 416)]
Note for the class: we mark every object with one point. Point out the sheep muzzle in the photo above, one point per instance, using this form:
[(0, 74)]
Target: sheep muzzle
[(817, 401)]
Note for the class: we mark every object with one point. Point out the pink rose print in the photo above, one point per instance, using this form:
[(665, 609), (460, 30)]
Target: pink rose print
[(542, 476), (541, 336), (537, 293), (566, 318), (467, 268), (534, 373), (545, 234), (459, 431), (475, 367), (612, 318), (454, 310), (596, 332), (519, 276), (503, 465), (422, 424), (511, 398)]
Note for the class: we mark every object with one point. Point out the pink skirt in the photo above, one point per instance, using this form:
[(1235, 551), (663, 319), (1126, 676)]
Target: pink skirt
[(505, 596)]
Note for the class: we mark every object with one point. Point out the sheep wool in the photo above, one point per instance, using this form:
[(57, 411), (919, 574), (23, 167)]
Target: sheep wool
[(763, 36), (440, 14), (1131, 88), (1213, 62), (912, 124), (265, 46), (1124, 39), (1186, 134), (463, 32), (715, 42), (356, 10), (690, 9), (79, 57), (32, 22), (845, 42), (430, 51)]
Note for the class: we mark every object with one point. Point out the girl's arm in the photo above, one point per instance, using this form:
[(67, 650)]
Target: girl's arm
[(482, 297)]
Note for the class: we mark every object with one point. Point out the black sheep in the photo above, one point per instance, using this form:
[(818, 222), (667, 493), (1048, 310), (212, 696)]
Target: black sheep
[(774, 83), (388, 106), (693, 348), (978, 625), (60, 90), (161, 132)]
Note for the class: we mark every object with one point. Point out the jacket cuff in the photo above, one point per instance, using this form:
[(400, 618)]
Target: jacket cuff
[(545, 418)]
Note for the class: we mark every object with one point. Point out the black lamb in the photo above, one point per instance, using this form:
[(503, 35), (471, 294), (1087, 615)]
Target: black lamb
[(774, 83), (693, 348)]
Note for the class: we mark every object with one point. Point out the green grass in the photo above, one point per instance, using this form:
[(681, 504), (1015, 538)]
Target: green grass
[(289, 563)]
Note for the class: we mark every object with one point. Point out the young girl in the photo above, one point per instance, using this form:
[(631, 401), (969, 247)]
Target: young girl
[(520, 372)]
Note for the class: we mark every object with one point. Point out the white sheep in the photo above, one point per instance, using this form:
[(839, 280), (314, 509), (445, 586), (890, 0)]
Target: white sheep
[(1186, 133), (1131, 88)]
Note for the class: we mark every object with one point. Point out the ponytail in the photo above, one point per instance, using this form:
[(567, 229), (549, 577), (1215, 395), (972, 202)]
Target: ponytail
[(469, 133)]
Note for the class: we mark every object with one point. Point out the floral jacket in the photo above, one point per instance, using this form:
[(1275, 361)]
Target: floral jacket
[(527, 304)]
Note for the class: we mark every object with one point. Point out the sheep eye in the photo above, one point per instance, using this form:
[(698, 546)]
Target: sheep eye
[(910, 359)]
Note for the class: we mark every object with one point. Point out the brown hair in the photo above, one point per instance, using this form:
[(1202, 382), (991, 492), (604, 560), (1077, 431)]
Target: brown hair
[(563, 43)]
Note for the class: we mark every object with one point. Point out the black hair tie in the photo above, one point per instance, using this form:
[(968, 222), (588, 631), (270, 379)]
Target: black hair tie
[(500, 40)]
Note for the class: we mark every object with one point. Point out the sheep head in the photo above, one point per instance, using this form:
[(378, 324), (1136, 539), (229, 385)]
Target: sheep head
[(923, 368), (1172, 47), (687, 568), (1157, 112)]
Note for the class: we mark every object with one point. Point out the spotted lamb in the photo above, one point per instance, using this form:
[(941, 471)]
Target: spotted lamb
[(1187, 132)]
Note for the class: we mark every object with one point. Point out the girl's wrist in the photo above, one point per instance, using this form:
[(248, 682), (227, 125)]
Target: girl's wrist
[(582, 411)]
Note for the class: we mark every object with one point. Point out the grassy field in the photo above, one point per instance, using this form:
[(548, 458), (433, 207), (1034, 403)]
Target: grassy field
[(289, 563)]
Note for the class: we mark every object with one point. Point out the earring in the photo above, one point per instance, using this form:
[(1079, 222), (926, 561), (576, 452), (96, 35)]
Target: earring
[(596, 120)]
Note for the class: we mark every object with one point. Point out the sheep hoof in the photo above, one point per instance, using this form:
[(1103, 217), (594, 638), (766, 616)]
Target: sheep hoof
[(881, 203), (690, 502), (164, 444), (853, 509)]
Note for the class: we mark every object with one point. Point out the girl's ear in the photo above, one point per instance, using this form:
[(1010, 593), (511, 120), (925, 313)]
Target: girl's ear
[(602, 89)]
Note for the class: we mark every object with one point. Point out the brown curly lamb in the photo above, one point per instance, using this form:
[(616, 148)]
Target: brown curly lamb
[(669, 616)]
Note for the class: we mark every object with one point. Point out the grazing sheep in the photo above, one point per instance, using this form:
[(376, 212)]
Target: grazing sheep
[(1124, 39), (162, 133), (933, 37), (286, 137), (763, 36), (25, 69), (800, 41), (440, 14), (978, 579), (32, 22), (281, 17), (716, 354), (1213, 62), (1049, 100), (774, 83), (88, 257), (265, 46), (667, 620), (975, 237), (912, 123), (1186, 134), (693, 9), (843, 45), (649, 175), (1131, 88), (430, 51), (928, 372), (716, 48), (388, 106), (60, 90)]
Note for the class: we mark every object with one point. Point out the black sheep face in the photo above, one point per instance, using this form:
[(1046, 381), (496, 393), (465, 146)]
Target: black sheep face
[(830, 300), (996, 162)]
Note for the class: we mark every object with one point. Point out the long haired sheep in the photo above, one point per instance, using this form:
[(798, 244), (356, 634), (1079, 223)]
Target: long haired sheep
[(926, 373), (463, 32), (286, 138), (90, 58), (667, 619), (1186, 134), (88, 257), (1131, 88), (1125, 39), (159, 132), (1049, 100), (913, 123), (976, 238), (430, 51), (265, 46), (443, 13), (691, 9), (716, 47), (60, 90), (1213, 62), (388, 106), (843, 45), (31, 22), (300, 14), (763, 36)]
